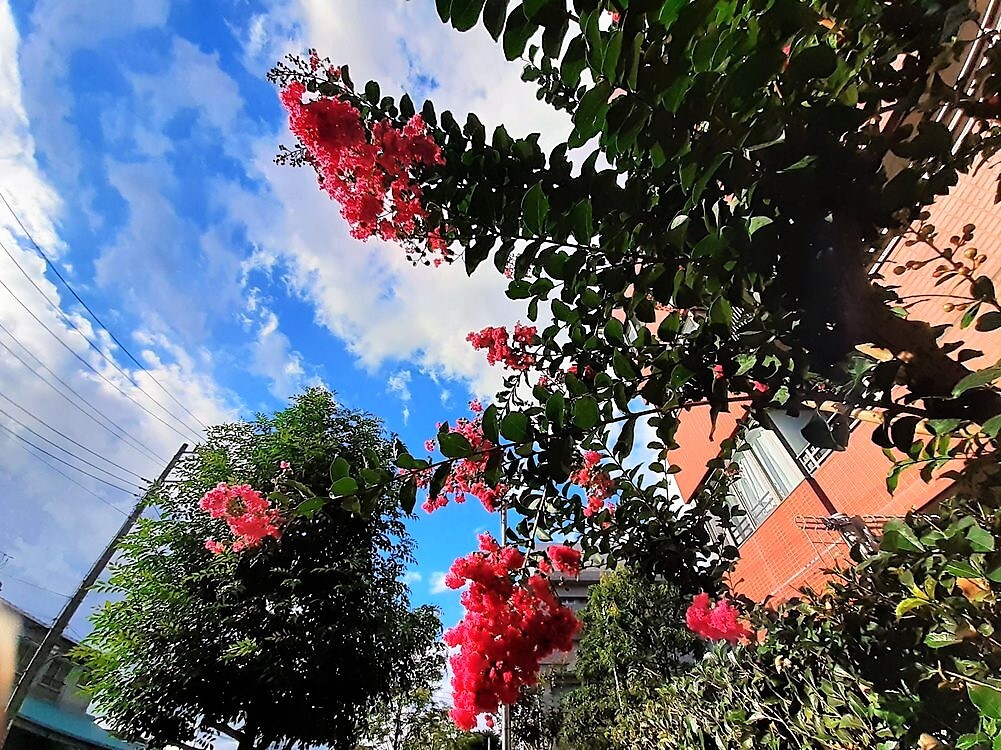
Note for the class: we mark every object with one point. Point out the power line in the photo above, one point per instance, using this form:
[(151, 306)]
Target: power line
[(70, 479), (63, 435), (116, 430), (93, 315), (34, 585), (85, 363), (107, 357), (68, 452), (25, 440)]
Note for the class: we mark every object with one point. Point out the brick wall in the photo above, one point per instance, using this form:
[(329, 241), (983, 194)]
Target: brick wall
[(781, 556)]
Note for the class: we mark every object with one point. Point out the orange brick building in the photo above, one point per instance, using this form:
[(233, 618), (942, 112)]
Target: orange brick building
[(792, 492)]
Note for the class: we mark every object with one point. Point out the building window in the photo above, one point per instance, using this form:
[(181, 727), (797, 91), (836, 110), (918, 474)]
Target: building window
[(791, 428), (54, 677)]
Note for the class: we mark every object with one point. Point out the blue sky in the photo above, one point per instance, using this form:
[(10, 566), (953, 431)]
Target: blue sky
[(136, 144)]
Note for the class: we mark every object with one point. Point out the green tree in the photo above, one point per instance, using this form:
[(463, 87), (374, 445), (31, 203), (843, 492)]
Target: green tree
[(901, 646), (409, 714), (294, 641), (634, 639), (705, 234)]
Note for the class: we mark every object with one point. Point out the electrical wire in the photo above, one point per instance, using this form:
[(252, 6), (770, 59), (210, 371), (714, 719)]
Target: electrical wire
[(25, 440), (34, 585), (120, 432), (107, 357), (93, 315), (87, 364), (74, 481), (68, 452), (64, 436)]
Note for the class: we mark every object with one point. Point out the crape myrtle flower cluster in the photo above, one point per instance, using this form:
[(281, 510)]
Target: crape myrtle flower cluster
[(718, 622), (371, 171), (466, 476), (248, 514), (513, 621)]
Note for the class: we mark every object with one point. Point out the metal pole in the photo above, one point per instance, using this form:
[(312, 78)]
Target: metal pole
[(505, 738), (40, 658)]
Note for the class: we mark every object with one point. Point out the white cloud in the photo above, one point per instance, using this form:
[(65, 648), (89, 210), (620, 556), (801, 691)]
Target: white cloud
[(437, 583), (384, 309), (399, 383), (53, 526), (412, 576)]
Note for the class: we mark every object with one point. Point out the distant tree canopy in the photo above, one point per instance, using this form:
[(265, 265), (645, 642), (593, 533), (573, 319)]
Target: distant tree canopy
[(295, 640), (634, 640)]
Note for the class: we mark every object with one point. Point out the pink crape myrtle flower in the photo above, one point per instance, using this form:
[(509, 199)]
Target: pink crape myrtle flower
[(511, 624), (372, 173), (718, 622), (248, 514), (565, 559)]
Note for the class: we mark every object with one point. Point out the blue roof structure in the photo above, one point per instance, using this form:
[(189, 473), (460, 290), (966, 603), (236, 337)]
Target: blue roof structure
[(80, 727)]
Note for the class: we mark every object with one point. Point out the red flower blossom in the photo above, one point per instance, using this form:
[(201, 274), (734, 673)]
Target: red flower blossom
[(511, 354), (466, 475), (564, 559), (717, 623), (508, 628), (597, 483), (248, 514), (371, 174)]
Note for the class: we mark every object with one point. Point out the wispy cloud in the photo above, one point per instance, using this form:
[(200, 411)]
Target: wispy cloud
[(437, 583)]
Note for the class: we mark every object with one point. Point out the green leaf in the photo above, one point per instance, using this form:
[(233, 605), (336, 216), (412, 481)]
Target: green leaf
[(581, 221), (310, 506), (962, 569), (517, 32), (514, 427), (352, 505), (623, 366), (978, 379), (908, 604), (614, 332), (721, 313), (408, 496), (987, 700), (980, 539), (493, 17), (444, 8), (556, 409), (489, 424), (454, 445), (585, 413), (624, 443), (438, 480), (535, 210), (338, 469), (992, 426), (819, 61), (465, 13), (940, 640), (899, 537), (344, 486), (669, 327), (613, 50), (757, 222), (989, 321)]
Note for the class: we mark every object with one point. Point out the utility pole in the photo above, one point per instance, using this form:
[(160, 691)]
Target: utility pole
[(505, 738), (40, 658)]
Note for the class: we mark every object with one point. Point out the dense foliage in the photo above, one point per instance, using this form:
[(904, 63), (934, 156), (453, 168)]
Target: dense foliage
[(705, 235), (757, 154), (633, 640), (295, 640), (902, 646)]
